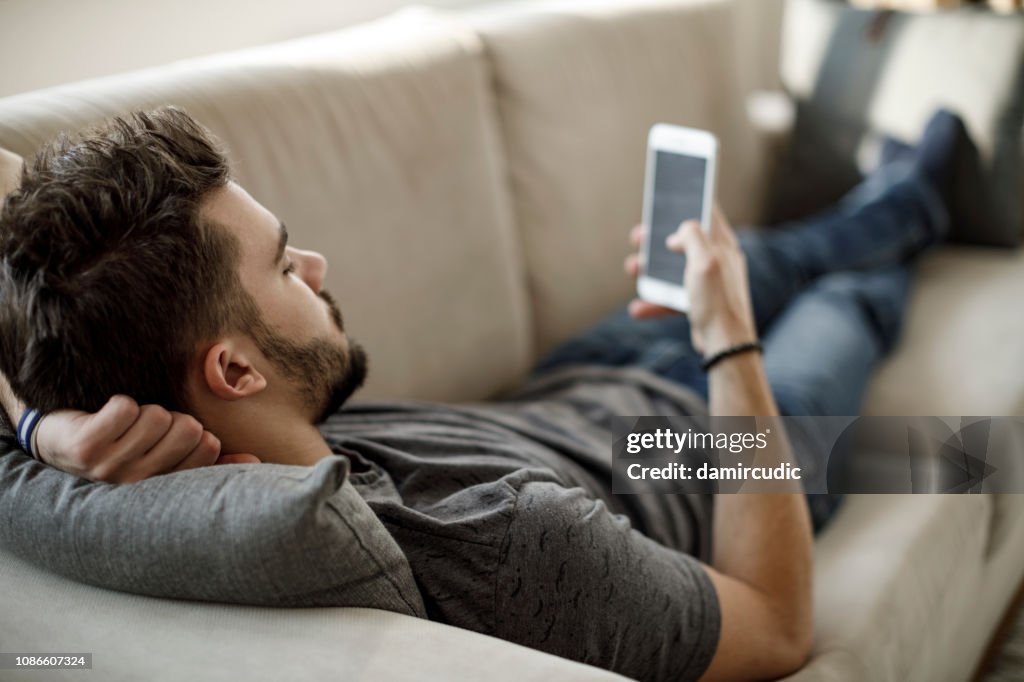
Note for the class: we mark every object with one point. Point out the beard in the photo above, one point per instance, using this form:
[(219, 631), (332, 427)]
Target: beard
[(346, 382), (325, 374)]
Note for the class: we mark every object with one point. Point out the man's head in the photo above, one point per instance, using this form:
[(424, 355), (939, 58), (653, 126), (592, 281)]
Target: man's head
[(130, 262)]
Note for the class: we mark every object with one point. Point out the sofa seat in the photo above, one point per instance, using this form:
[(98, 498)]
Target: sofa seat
[(895, 577), (912, 587)]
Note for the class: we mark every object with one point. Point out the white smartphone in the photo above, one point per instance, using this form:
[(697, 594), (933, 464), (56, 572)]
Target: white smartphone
[(680, 186)]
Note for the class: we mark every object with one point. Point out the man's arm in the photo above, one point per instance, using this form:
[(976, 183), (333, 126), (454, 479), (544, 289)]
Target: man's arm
[(763, 552), (763, 543), (122, 442)]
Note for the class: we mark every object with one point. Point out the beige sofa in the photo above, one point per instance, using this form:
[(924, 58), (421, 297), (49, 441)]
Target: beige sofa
[(471, 178)]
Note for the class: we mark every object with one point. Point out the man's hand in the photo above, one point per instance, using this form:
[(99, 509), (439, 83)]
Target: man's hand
[(716, 279), (125, 443)]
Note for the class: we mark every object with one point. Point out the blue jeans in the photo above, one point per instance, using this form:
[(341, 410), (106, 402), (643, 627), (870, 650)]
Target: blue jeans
[(828, 295)]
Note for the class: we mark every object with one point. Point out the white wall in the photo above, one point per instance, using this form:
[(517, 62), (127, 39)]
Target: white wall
[(48, 42)]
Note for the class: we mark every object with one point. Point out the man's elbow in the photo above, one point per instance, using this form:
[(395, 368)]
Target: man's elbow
[(795, 641)]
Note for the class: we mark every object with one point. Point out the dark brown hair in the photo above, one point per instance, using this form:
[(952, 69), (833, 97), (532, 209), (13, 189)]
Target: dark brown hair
[(109, 277)]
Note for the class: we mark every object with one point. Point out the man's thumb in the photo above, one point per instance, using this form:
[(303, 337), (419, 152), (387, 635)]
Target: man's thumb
[(238, 459)]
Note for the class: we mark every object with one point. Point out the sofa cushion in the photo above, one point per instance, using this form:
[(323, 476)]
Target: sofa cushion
[(579, 85), (856, 74), (892, 576), (960, 349), (377, 146), (261, 534)]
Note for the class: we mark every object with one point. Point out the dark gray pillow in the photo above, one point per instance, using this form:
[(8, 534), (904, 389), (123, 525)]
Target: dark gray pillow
[(856, 74), (259, 534)]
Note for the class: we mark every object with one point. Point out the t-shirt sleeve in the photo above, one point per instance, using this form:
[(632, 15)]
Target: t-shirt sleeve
[(579, 582)]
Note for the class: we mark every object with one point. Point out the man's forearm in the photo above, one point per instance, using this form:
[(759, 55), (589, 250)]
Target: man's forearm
[(764, 540)]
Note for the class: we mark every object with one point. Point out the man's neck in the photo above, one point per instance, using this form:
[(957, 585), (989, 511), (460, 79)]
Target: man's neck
[(302, 445), (278, 438)]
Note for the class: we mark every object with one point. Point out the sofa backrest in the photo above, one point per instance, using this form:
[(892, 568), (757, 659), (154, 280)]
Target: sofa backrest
[(578, 86), (377, 146)]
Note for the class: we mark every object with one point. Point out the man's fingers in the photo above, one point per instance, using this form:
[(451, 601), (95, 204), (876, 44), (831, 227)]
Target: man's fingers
[(114, 418), (717, 212), (153, 424), (238, 459), (642, 310), (204, 455), (181, 441), (689, 237), (120, 459), (632, 265), (720, 227), (80, 443), (636, 236)]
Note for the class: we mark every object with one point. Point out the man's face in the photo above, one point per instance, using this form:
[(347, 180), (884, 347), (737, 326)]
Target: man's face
[(301, 331)]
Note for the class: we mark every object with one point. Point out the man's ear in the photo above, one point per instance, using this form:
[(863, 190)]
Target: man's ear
[(230, 374)]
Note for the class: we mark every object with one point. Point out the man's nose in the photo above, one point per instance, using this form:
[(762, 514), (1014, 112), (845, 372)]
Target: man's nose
[(312, 268)]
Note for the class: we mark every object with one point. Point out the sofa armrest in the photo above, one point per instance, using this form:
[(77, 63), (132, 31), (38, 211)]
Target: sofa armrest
[(166, 640), (772, 114)]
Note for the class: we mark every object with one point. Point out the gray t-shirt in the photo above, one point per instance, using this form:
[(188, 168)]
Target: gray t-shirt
[(506, 515)]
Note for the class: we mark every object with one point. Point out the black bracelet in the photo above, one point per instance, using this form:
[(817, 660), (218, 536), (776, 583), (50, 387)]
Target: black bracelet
[(729, 352)]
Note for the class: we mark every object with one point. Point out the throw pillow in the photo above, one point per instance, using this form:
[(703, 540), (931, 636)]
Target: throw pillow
[(258, 534)]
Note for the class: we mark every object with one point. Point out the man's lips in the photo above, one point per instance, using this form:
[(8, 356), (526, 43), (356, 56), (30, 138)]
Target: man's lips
[(332, 307)]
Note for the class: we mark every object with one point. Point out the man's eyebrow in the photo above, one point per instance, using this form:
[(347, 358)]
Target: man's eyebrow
[(281, 243)]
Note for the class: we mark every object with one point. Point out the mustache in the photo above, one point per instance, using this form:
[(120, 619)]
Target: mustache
[(332, 306)]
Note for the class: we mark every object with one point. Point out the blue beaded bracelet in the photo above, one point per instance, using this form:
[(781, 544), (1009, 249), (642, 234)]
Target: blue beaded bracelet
[(26, 426)]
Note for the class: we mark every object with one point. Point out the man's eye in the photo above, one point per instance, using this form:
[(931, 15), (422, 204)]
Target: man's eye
[(290, 269)]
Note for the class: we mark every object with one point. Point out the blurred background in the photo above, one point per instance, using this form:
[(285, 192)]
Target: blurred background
[(50, 42), (55, 41)]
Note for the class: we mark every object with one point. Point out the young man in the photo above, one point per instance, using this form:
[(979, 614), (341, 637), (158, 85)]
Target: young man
[(132, 264)]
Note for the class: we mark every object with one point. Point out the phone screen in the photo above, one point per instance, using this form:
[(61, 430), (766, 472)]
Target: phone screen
[(678, 196)]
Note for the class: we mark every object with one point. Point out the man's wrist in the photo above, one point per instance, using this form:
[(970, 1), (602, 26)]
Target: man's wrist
[(724, 337), (37, 450), (736, 350), (27, 431)]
